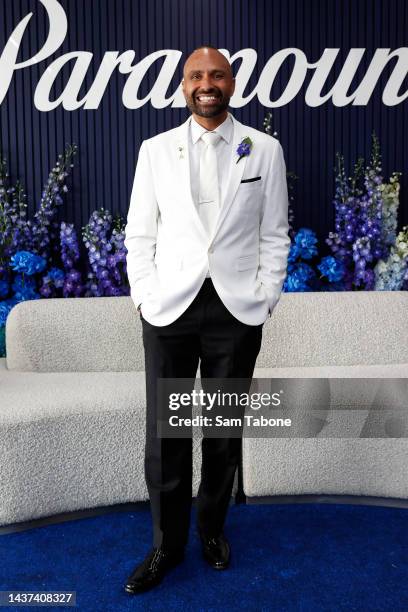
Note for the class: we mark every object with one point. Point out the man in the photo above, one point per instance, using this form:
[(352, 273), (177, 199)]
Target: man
[(207, 241)]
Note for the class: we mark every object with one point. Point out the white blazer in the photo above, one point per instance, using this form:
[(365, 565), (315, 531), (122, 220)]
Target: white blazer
[(167, 246)]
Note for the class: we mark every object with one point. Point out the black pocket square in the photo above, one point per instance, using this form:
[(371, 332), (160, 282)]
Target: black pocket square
[(256, 178)]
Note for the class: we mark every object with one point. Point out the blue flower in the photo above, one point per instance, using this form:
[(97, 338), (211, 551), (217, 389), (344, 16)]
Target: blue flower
[(4, 311), (57, 276), (305, 271), (333, 287), (305, 241), (4, 288), (333, 268), (24, 261), (294, 253), (299, 278), (20, 283), (244, 148), (25, 294), (24, 289)]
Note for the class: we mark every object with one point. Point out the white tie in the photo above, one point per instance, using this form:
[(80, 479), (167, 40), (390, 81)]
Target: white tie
[(209, 196)]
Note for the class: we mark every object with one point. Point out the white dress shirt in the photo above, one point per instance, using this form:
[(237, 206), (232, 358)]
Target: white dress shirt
[(224, 153)]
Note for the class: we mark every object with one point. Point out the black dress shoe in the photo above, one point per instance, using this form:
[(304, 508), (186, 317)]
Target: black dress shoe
[(216, 551), (153, 569)]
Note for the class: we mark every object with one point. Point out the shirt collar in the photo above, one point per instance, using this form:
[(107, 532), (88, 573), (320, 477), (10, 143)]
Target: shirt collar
[(224, 129)]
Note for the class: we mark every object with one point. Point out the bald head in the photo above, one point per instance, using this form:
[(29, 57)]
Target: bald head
[(207, 55), (208, 84)]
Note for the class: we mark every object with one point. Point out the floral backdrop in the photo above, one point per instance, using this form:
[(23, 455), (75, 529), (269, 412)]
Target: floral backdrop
[(40, 257)]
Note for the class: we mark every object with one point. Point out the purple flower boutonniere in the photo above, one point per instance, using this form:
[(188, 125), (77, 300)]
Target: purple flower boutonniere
[(244, 148)]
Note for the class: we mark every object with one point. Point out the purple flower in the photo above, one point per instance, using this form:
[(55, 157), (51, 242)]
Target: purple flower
[(244, 148), (51, 282), (73, 286), (104, 238), (360, 237)]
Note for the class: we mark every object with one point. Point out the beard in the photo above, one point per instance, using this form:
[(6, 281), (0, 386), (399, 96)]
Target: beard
[(212, 110)]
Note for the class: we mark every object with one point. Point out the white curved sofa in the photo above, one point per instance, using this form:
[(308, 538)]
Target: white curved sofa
[(72, 402)]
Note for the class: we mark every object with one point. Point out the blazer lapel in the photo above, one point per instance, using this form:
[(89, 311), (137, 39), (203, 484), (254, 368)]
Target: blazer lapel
[(181, 150), (235, 173)]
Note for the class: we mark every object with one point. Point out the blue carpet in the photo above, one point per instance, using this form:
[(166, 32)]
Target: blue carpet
[(301, 557)]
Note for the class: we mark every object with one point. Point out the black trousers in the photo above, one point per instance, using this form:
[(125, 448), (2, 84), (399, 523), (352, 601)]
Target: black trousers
[(227, 348)]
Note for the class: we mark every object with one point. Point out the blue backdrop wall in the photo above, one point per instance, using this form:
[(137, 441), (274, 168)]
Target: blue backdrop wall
[(109, 136)]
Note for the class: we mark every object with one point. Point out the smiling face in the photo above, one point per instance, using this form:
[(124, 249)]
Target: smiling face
[(208, 84)]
